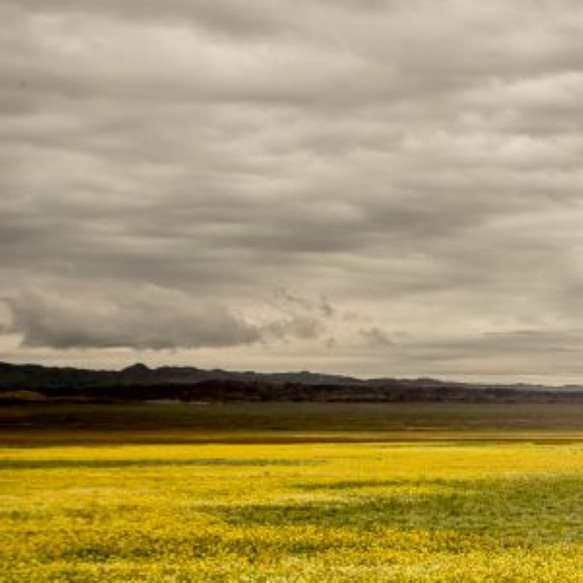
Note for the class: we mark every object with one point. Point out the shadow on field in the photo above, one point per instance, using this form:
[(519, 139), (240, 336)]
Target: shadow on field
[(444, 484), (545, 505), (104, 464), (358, 484)]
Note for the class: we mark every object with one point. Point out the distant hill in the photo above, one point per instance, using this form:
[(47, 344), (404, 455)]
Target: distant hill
[(141, 383)]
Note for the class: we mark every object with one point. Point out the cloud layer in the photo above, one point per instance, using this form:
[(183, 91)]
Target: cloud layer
[(167, 167)]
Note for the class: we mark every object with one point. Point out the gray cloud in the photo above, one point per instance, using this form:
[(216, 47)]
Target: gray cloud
[(418, 164), (302, 327), (375, 337), (75, 316), (149, 317)]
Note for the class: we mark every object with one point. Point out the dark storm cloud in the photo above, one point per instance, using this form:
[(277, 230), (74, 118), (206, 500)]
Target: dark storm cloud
[(150, 317), (418, 165)]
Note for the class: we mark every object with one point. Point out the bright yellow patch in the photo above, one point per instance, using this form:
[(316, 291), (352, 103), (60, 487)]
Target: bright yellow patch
[(424, 511)]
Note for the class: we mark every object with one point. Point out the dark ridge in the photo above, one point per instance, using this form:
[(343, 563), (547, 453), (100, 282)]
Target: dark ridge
[(141, 383)]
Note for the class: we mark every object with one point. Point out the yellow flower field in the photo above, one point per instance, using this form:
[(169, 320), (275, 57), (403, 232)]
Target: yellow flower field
[(404, 511)]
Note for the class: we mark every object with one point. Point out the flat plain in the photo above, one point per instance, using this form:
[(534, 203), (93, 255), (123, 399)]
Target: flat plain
[(291, 492)]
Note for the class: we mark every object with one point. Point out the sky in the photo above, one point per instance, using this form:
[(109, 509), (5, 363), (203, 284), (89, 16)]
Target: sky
[(367, 187)]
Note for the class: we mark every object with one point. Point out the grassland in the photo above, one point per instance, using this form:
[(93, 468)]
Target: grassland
[(472, 496), (286, 422)]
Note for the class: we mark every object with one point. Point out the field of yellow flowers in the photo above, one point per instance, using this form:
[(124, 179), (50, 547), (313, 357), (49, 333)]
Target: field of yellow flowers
[(426, 511)]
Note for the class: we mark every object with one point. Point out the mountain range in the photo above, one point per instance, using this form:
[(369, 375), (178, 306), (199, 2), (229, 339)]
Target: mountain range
[(187, 383)]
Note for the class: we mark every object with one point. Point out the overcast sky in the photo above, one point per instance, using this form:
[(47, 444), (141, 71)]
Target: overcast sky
[(372, 187)]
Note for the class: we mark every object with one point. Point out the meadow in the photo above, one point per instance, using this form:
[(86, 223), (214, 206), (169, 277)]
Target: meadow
[(468, 494)]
